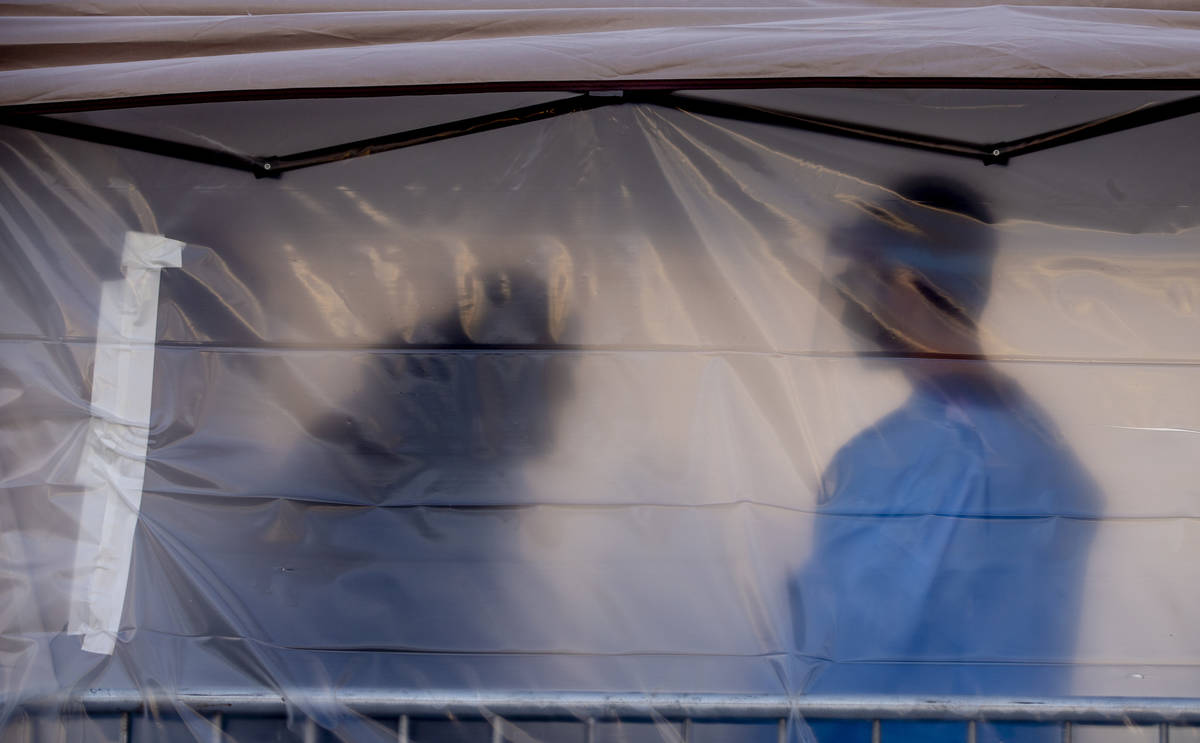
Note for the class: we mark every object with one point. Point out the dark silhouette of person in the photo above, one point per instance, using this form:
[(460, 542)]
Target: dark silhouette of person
[(438, 438), (386, 550), (951, 536)]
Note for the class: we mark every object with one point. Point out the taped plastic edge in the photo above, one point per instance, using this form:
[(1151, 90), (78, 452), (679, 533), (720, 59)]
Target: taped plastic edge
[(113, 466)]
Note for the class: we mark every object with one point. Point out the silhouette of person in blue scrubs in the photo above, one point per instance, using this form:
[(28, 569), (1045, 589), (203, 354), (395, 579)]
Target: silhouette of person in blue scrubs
[(951, 536)]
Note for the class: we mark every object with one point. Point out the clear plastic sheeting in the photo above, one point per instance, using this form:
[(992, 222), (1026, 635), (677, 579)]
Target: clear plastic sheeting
[(631, 401)]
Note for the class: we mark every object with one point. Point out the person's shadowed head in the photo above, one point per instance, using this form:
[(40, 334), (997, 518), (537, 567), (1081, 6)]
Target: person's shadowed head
[(502, 338), (473, 391), (916, 269)]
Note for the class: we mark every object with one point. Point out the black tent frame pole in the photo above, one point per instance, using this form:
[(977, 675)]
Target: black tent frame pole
[(1138, 117), (138, 142), (273, 167), (998, 153), (615, 85), (773, 117), (388, 142)]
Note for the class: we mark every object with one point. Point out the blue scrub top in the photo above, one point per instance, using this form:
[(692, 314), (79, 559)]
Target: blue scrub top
[(948, 557)]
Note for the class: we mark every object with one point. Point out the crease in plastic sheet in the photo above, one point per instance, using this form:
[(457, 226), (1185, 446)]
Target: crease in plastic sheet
[(112, 467)]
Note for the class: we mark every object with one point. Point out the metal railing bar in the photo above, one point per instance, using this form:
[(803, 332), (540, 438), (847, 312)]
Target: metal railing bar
[(310, 730), (782, 737), (876, 731), (972, 732), (589, 735), (218, 723), (1164, 733), (497, 730), (687, 730), (402, 729), (577, 705)]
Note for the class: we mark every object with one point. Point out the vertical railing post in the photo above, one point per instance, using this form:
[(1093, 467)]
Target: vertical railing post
[(218, 725)]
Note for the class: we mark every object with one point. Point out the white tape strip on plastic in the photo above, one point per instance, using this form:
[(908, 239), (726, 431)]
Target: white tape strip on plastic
[(113, 466)]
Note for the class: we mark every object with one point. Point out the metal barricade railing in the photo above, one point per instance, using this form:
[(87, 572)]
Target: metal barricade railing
[(500, 709)]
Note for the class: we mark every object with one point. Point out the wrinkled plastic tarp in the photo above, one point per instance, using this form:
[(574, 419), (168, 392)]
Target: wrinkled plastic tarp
[(578, 405)]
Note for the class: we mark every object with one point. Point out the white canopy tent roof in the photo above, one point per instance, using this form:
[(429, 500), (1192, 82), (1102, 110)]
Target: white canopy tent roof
[(104, 50)]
